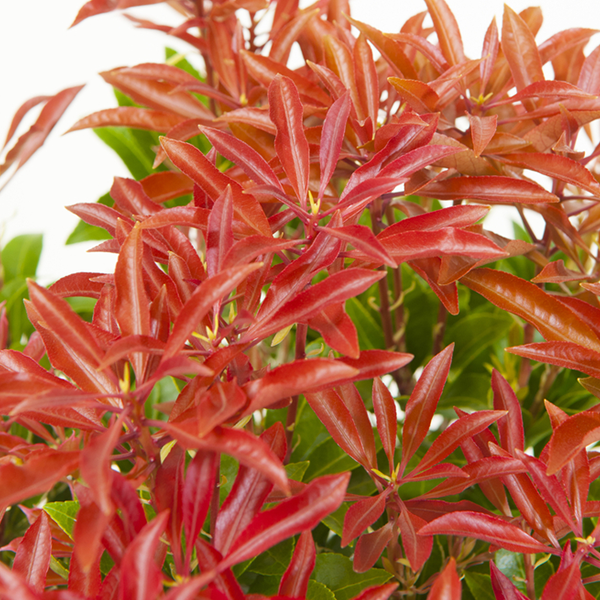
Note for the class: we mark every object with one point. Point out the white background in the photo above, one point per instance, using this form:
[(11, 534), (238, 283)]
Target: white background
[(41, 56)]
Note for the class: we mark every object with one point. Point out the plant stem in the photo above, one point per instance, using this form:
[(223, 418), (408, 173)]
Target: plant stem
[(214, 501), (290, 422)]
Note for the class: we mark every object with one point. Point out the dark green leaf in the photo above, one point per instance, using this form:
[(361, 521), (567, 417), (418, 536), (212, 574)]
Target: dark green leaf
[(335, 571)]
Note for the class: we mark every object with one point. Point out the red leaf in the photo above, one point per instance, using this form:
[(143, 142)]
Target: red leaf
[(563, 354), (70, 345), (14, 586), (427, 49), (489, 188), (447, 31), (320, 497), (504, 588), (248, 494), (482, 131), (378, 592), (572, 436), (131, 303), (510, 427), (420, 96), (166, 185), (417, 549), (265, 69), (337, 329), (301, 376), (478, 472), (389, 49), (367, 80), (97, 7), (207, 294), (336, 417), (557, 167), (332, 136), (243, 446), (199, 483), (285, 110), (225, 584), (77, 284), (20, 114), (32, 559), (466, 427), (447, 584), (551, 318), (488, 528), (489, 53), (129, 116), (187, 216), (190, 161), (243, 156), (453, 216), (447, 241), (299, 273), (374, 363), (362, 239), (550, 488), (336, 288), (294, 582), (95, 464), (520, 50), (37, 475), (551, 89), (362, 514), (565, 584), (249, 248), (156, 94), (287, 35), (387, 420), (422, 403), (219, 235), (141, 577), (589, 76), (355, 404), (429, 270), (369, 547), (168, 493), (33, 139)]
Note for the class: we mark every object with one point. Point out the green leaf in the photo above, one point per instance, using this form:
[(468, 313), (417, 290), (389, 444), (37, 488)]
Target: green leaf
[(297, 470), (314, 444), (106, 563), (265, 585), (370, 335), (63, 514), (275, 560), (59, 568), (229, 469), (475, 333), (181, 63), (138, 157), (480, 585), (85, 232), (511, 564), (335, 520), (336, 573), (20, 256), (318, 591), (14, 292)]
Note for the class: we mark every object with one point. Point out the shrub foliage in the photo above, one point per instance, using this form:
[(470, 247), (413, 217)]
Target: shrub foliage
[(313, 372)]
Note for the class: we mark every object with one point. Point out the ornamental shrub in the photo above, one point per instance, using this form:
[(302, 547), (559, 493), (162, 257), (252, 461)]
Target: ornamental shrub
[(314, 373)]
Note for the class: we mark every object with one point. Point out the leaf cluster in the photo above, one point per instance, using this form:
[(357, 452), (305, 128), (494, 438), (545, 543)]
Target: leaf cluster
[(314, 373)]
